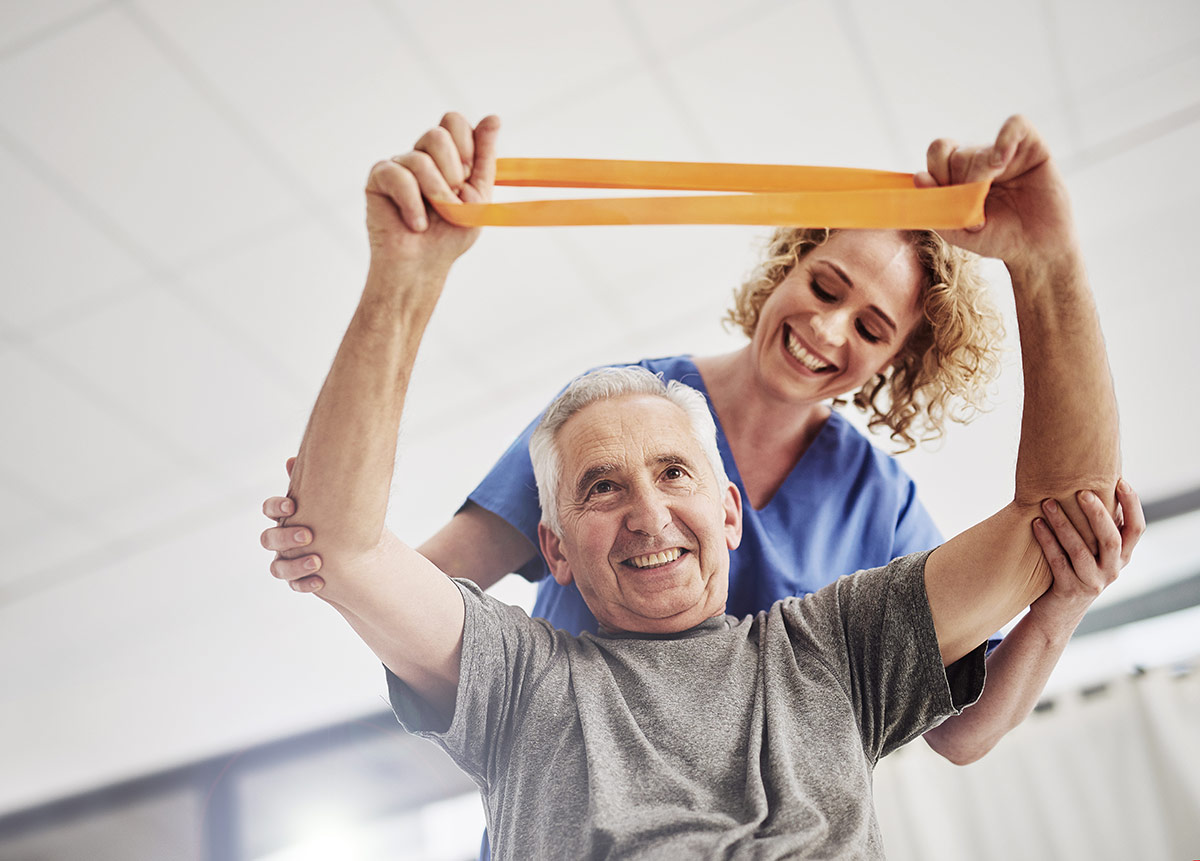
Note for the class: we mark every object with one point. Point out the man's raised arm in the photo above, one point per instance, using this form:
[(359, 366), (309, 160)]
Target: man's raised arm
[(981, 579), (406, 610)]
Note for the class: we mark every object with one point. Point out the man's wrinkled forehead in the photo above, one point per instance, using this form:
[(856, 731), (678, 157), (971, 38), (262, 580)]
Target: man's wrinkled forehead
[(622, 434)]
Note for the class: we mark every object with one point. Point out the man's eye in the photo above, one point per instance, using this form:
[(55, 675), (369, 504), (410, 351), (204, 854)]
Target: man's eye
[(603, 487), (867, 333), (821, 293), (671, 473)]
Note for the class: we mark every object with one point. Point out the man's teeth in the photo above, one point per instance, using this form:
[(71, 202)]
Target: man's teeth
[(653, 559), (804, 357)]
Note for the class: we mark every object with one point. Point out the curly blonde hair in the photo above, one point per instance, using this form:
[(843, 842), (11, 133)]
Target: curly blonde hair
[(943, 369)]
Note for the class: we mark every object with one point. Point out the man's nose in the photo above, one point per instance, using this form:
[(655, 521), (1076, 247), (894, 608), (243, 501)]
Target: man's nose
[(648, 513)]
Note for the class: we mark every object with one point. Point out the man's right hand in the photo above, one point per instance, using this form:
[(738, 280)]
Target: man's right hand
[(452, 162)]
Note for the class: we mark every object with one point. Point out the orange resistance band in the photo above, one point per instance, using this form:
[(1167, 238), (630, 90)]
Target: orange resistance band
[(779, 195)]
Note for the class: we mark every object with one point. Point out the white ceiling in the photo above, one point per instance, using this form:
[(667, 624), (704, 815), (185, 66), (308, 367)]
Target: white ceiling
[(183, 248)]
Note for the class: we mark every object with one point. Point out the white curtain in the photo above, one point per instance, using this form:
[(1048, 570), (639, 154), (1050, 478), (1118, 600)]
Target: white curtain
[(1112, 772)]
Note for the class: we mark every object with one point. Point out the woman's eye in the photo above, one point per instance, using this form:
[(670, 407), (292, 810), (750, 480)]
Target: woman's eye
[(867, 333), (821, 293)]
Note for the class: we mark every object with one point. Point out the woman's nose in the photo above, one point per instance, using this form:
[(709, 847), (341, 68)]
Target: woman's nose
[(830, 327)]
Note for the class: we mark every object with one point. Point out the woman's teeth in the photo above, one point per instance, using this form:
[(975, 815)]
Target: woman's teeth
[(803, 356), (651, 560)]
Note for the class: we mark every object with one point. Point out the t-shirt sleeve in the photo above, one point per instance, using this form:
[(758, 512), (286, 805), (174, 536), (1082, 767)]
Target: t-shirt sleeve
[(503, 654), (875, 631)]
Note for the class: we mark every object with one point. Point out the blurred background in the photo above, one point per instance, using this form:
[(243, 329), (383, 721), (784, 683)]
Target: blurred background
[(183, 247)]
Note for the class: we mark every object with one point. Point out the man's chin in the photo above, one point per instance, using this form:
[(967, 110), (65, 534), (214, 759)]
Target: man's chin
[(663, 617)]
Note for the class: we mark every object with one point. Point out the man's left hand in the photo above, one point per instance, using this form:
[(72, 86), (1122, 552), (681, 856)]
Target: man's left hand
[(1028, 213)]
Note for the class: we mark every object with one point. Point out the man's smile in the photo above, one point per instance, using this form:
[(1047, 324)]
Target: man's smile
[(655, 560)]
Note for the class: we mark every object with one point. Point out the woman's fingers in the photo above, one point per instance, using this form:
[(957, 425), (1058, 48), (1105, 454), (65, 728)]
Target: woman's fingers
[(285, 539), (1108, 536), (299, 573), (1055, 556), (1068, 536), (277, 507), (1133, 520)]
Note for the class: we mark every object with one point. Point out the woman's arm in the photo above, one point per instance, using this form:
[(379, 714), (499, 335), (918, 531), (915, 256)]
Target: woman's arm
[(1018, 669)]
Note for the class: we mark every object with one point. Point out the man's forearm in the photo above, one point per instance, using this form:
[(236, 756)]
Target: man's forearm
[(343, 471), (1069, 435)]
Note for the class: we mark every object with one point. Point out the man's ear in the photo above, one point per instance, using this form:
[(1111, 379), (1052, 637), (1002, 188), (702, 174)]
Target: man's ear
[(551, 546), (733, 516)]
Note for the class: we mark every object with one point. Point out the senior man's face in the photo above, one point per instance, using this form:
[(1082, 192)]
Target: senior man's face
[(646, 525)]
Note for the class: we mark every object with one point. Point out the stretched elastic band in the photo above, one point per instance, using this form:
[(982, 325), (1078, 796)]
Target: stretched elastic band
[(778, 195)]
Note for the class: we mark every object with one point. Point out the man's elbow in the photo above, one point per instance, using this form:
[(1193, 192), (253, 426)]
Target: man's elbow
[(1032, 491), (956, 747), (349, 566)]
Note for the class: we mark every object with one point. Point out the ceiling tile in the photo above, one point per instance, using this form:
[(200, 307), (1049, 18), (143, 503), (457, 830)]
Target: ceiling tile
[(55, 258), (510, 58), (292, 293), (1124, 112), (956, 75), (68, 446), (24, 23), (122, 638), (1150, 309), (1104, 42), (669, 27), (1144, 181), (172, 371), (135, 141), (768, 105), (39, 529), (330, 98), (628, 115)]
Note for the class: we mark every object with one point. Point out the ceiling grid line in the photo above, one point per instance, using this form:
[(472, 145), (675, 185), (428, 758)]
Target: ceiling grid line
[(852, 30), (1101, 86), (104, 556), (428, 59), (1127, 141), (50, 31), (158, 272), (64, 511), (1066, 103), (686, 118), (239, 125), (181, 457)]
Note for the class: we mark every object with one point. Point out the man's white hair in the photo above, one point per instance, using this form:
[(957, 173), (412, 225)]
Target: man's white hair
[(605, 384)]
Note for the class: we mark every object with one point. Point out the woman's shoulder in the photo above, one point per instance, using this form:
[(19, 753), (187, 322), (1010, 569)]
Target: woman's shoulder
[(846, 446)]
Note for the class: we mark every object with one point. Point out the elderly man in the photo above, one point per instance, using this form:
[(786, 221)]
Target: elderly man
[(679, 731)]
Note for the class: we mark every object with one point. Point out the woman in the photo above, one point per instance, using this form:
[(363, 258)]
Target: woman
[(896, 318)]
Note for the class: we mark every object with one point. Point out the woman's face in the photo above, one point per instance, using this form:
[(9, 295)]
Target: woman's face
[(840, 316)]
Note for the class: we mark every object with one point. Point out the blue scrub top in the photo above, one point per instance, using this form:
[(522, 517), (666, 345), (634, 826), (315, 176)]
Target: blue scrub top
[(845, 506)]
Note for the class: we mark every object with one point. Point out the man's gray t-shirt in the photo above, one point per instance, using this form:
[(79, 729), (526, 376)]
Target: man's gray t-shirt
[(749, 739)]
